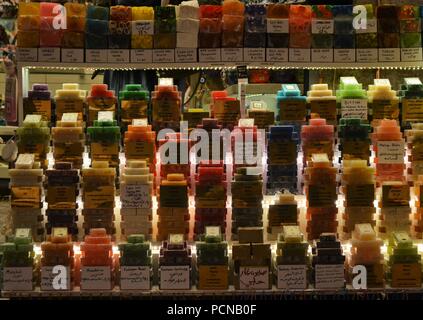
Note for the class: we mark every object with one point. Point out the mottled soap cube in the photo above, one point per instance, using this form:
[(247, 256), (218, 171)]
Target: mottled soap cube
[(344, 41), (119, 41), (322, 41)]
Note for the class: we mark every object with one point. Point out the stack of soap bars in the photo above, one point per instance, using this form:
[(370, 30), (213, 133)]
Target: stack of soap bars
[(38, 102), (210, 31), (394, 204), (291, 105), (388, 145), (70, 99), (68, 140), (212, 260), (320, 190), (97, 27), (28, 25), (142, 27), (352, 99), (96, 251), (134, 100), (136, 191), (173, 215), (343, 27), (166, 107), (50, 35), (26, 185), (34, 137), (383, 101), (216, 155), (366, 39), (417, 228), (282, 148), (225, 109), (120, 27), (61, 194), (100, 99), (299, 26), (410, 26), (232, 24), (414, 139), (366, 251), (255, 26), (187, 24), (74, 35), (99, 196), (358, 187), (405, 268), (277, 15), (322, 38), (210, 198), (411, 96), (354, 139), (247, 197), (251, 252), (317, 137), (322, 101), (164, 27), (283, 211)]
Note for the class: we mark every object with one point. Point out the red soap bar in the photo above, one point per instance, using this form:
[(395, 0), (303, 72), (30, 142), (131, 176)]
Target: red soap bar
[(210, 11)]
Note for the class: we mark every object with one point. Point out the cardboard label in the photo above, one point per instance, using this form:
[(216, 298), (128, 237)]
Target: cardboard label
[(96, 55), (385, 109), (227, 112), (163, 55), (18, 279), (118, 55), (213, 277), (277, 25), (329, 276), (262, 119), (48, 278), (370, 27), (140, 150), (142, 55), (367, 55), (232, 54), (69, 106), (353, 149), (49, 54), (209, 54), (277, 54), (344, 55), (135, 278), (166, 110), (362, 195), (186, 55), (40, 107), (136, 196), (354, 108), (101, 197), (321, 195), (72, 55), (282, 152), (104, 148), (318, 146), (406, 275), (254, 54), (61, 197), (320, 26), (27, 54), (299, 55), (25, 197), (133, 109), (96, 278), (411, 54), (390, 152), (324, 109), (395, 195), (142, 27), (292, 277), (254, 278), (292, 110), (322, 55), (412, 110), (389, 54), (175, 278), (195, 118)]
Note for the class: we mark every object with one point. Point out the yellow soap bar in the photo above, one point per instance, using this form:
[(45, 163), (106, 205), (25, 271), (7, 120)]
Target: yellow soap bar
[(142, 42), (29, 8), (75, 9), (28, 23), (142, 13)]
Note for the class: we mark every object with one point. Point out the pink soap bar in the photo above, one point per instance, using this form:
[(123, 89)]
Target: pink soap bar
[(48, 9)]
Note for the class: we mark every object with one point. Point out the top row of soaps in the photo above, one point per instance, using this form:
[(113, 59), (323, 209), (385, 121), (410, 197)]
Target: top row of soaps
[(320, 33)]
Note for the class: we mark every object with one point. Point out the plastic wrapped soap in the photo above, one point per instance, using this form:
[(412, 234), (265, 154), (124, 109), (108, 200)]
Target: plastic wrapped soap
[(98, 13)]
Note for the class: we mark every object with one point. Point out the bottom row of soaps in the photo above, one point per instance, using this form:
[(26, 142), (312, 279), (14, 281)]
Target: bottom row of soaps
[(95, 265)]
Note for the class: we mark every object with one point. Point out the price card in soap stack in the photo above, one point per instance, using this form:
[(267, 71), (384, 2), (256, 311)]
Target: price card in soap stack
[(412, 110), (135, 277), (175, 278), (390, 152), (292, 277), (96, 278), (49, 278), (329, 276), (354, 108), (18, 279), (254, 278), (142, 27), (136, 196)]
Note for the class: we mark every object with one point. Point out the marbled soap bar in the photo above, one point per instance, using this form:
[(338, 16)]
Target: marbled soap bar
[(255, 26), (58, 250), (232, 24), (354, 139), (38, 102), (210, 26), (291, 105), (18, 251), (175, 252)]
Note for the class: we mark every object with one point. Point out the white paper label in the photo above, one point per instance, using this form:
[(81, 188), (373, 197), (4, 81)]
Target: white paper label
[(390, 152), (354, 108), (254, 278), (175, 278), (389, 54), (371, 27), (329, 276), (412, 81), (105, 116), (72, 55), (140, 122), (48, 280), (209, 55), (27, 54), (411, 54), (186, 55), (118, 55), (322, 26), (367, 55), (292, 277), (142, 55), (344, 55), (322, 55), (232, 54), (382, 82), (277, 54), (96, 278), (254, 54), (96, 55), (143, 27), (49, 54), (136, 196), (277, 25), (299, 55), (135, 278), (17, 279), (163, 55)]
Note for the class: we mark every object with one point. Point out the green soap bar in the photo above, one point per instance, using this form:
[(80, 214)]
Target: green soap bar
[(133, 87), (7, 246), (133, 95), (136, 238)]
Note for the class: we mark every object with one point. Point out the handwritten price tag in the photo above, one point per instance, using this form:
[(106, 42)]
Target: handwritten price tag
[(17, 279), (175, 278), (330, 276), (136, 196), (143, 27), (253, 278), (354, 108), (292, 277), (96, 278), (390, 152), (135, 278), (322, 26)]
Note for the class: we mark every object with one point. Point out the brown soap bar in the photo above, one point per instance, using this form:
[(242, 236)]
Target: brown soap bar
[(250, 235)]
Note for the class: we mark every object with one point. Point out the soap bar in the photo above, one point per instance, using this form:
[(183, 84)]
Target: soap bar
[(100, 99), (317, 137), (283, 211), (322, 102), (38, 102), (291, 247), (166, 104)]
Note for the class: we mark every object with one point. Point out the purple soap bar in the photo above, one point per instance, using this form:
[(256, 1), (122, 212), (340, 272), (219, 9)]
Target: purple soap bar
[(39, 95), (40, 87)]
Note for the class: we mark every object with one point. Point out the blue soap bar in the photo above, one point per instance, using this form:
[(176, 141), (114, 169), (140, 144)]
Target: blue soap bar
[(343, 26), (94, 41), (344, 41), (342, 10), (97, 27), (254, 40), (255, 9), (255, 24), (98, 13)]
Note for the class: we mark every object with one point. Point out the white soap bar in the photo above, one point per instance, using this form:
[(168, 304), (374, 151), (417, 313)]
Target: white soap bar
[(186, 40), (70, 86), (99, 164), (364, 231), (188, 9), (246, 123), (25, 161), (186, 25), (319, 93), (319, 86)]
